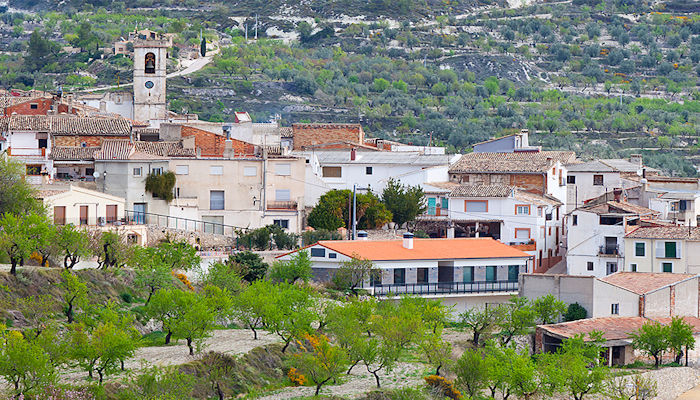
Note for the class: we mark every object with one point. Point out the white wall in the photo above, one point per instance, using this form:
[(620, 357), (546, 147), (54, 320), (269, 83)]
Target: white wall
[(584, 189), (584, 241)]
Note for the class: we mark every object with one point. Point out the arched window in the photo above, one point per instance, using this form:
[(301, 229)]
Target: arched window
[(150, 63)]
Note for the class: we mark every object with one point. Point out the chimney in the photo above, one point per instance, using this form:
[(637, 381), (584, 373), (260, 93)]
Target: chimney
[(636, 159), (188, 142), (103, 106), (362, 235), (353, 152), (408, 240), (228, 148), (199, 152), (617, 193)]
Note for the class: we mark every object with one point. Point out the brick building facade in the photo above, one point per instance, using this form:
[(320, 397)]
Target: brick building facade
[(306, 135)]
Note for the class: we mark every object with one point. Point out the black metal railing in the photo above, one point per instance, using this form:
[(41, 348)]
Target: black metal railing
[(186, 224), (445, 288), (609, 250)]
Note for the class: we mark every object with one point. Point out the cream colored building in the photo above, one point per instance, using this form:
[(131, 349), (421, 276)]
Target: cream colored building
[(75, 205), (239, 192), (673, 249)]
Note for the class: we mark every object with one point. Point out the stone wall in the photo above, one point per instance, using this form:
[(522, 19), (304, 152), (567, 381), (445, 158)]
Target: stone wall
[(201, 240)]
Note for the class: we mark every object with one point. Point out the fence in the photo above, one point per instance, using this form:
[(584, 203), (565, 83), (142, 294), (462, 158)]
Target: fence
[(446, 288)]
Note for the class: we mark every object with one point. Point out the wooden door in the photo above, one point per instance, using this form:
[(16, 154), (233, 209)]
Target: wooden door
[(111, 213), (83, 215), (59, 215)]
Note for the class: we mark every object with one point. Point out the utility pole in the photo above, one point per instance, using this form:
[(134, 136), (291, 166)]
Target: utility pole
[(256, 26), (354, 209), (246, 31)]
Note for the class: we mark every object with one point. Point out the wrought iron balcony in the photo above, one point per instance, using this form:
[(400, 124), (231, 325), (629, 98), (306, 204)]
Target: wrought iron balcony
[(608, 250), (444, 288)]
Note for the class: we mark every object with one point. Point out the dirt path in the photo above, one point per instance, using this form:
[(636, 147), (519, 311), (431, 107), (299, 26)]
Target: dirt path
[(358, 383), (229, 341)]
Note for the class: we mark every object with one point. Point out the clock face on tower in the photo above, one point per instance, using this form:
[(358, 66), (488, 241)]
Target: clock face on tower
[(149, 84)]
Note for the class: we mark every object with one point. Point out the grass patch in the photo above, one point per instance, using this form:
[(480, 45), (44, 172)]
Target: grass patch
[(155, 338)]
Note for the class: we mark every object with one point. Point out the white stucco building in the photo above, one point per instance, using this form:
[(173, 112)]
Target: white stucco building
[(596, 233), (463, 273)]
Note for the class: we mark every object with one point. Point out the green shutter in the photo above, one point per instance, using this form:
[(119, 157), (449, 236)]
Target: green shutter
[(431, 205), (670, 248), (513, 271), (667, 267), (639, 249), (491, 273), (468, 274)]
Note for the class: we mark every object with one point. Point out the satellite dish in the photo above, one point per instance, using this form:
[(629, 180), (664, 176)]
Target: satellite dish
[(96, 174)]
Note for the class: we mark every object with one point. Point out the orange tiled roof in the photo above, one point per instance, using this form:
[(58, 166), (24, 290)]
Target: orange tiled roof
[(539, 161), (424, 249), (643, 282), (613, 328)]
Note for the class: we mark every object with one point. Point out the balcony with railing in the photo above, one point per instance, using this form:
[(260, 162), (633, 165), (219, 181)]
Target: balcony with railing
[(443, 288), (609, 250), (26, 152), (282, 205)]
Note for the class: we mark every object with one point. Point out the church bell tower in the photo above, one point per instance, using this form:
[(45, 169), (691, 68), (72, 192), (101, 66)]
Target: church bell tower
[(150, 56)]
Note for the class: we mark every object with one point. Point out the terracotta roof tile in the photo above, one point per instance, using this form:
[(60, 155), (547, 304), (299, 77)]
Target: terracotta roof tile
[(539, 161), (424, 249), (171, 149), (67, 153), (618, 207), (613, 328), (115, 150), (666, 232), (642, 282), (482, 191), (70, 125)]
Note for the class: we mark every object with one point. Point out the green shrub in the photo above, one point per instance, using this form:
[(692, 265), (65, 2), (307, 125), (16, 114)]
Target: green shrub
[(127, 297), (311, 237), (575, 312), (161, 185)]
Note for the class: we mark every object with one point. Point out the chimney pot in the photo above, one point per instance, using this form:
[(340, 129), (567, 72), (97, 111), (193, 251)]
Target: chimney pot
[(362, 235), (408, 240), (353, 154)]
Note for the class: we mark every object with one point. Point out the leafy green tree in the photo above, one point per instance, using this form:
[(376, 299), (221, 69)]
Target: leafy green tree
[(290, 312), (290, 271), (353, 273), (580, 373), (435, 349), (471, 371), (40, 52), (223, 276), (637, 387), (349, 323), (37, 310), (304, 29), (159, 383), (195, 319), (20, 236), (320, 361), (548, 309), (680, 337), (249, 266), (652, 339), (73, 244), (102, 349), (74, 293), (151, 273), (164, 309), (16, 195), (404, 202), (111, 249), (23, 364), (203, 47), (518, 319), (481, 320), (178, 255), (85, 37), (332, 211), (575, 312), (251, 304)]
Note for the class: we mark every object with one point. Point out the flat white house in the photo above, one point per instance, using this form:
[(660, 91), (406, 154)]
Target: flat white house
[(32, 148), (341, 169), (462, 273), (623, 294), (529, 221), (588, 180), (596, 233), (673, 249)]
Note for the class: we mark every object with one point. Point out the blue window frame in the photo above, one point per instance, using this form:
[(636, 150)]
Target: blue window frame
[(318, 252)]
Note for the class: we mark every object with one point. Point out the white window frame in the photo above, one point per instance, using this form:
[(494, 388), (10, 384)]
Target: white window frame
[(288, 196), (283, 169), (182, 170), (521, 207), (157, 171), (250, 171), (139, 169), (216, 170)]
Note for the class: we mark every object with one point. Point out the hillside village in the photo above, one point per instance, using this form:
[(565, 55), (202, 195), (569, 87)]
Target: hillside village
[(613, 243)]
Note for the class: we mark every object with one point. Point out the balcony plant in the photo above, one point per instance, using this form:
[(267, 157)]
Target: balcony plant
[(161, 185)]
